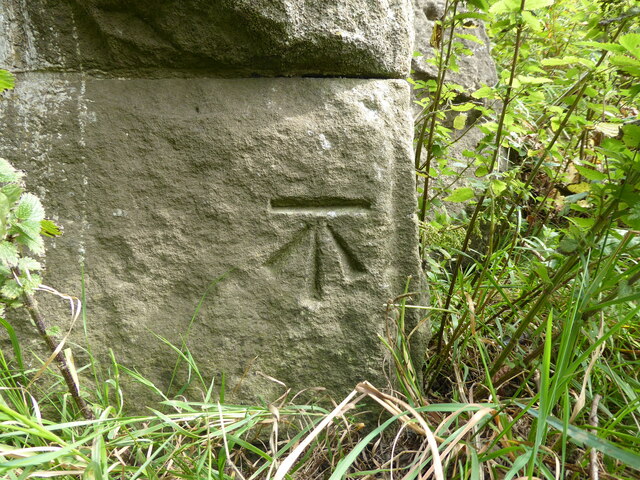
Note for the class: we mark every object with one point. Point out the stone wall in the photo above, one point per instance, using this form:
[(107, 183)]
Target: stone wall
[(288, 200)]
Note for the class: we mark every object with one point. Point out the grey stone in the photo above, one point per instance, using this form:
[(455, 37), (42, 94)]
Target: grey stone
[(475, 70), (296, 195), (360, 38)]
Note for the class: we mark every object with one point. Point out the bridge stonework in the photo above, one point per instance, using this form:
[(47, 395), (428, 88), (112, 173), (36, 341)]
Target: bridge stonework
[(254, 153)]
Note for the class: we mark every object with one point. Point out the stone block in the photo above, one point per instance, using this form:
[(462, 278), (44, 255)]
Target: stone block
[(360, 38), (289, 202), (475, 71)]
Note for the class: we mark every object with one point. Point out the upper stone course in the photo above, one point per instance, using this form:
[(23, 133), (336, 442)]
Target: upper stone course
[(358, 38)]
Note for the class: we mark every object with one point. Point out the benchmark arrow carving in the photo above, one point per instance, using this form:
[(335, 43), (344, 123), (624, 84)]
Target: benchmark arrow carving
[(320, 235)]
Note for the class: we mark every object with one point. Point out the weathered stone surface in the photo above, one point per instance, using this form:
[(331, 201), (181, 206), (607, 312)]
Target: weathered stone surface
[(361, 38), (299, 192), (475, 70)]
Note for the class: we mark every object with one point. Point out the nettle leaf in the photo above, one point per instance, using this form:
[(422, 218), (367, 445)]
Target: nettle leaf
[(626, 64), (609, 47), (12, 191), (30, 282), (590, 174), (631, 42), (26, 228), (8, 254), (531, 20), (5, 208), (631, 136), (7, 81), (29, 208), (460, 195), (35, 245), (29, 236), (28, 263), (8, 174), (460, 121), (11, 290)]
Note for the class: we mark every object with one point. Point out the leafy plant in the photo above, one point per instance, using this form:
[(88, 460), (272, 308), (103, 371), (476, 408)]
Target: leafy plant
[(544, 278), (22, 226)]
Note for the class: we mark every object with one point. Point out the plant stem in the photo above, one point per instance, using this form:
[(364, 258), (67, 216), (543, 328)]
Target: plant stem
[(456, 270), (442, 72), (38, 320)]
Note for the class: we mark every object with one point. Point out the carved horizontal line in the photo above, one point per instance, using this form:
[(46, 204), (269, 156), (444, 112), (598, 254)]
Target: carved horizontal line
[(325, 206)]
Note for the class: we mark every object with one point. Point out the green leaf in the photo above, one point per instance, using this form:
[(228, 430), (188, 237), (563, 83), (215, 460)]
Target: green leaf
[(460, 195), (484, 92), (30, 282), (590, 174), (8, 174), (631, 136), (28, 263), (497, 187), (460, 121), (479, 4), (542, 272), (576, 198), (49, 229), (12, 192), (471, 38), (608, 129), (465, 15), (531, 20), (463, 107), (5, 208), (481, 171), (11, 289), (631, 42), (582, 223), (29, 236), (7, 80), (8, 254), (560, 62), (626, 64), (29, 208), (567, 245), (504, 6), (525, 80), (536, 4), (609, 47), (26, 228)]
